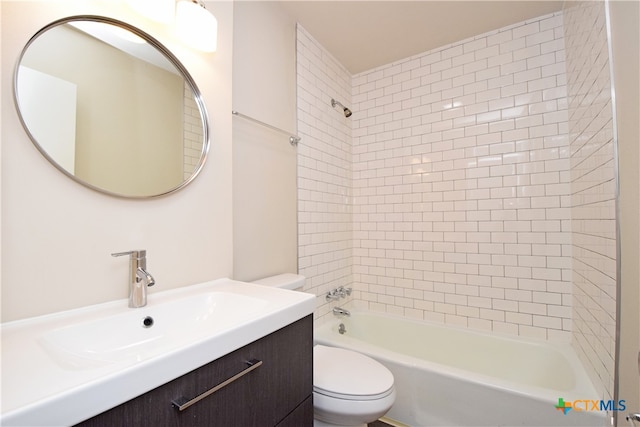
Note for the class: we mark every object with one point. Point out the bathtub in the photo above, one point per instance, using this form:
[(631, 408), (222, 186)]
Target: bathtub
[(447, 376)]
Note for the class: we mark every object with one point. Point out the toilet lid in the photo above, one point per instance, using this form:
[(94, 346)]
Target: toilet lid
[(347, 374)]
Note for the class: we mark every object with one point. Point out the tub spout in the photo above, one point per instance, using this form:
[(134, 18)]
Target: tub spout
[(341, 312)]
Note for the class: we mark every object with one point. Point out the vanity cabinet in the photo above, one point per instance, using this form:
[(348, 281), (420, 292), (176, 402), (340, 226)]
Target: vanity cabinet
[(277, 392)]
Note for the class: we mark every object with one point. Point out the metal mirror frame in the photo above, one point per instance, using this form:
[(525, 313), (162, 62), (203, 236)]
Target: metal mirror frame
[(167, 54)]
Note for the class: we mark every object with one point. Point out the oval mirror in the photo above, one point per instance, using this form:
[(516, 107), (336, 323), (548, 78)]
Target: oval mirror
[(111, 107)]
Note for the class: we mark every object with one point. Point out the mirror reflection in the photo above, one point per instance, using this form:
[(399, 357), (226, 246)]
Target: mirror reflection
[(111, 107)]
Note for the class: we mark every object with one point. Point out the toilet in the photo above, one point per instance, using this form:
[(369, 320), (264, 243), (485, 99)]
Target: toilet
[(349, 388)]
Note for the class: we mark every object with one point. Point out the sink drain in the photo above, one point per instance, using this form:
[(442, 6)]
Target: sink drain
[(147, 322)]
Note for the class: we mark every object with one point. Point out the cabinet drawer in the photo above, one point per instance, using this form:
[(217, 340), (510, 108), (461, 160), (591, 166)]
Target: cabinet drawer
[(262, 397)]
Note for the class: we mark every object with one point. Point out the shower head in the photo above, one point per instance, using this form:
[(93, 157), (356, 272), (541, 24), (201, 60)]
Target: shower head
[(347, 112)]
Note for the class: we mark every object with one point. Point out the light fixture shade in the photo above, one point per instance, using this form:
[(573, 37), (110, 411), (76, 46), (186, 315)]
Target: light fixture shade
[(195, 26), (157, 10)]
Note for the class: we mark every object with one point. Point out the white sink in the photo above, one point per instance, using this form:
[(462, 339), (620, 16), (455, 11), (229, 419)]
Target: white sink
[(62, 368), (138, 334)]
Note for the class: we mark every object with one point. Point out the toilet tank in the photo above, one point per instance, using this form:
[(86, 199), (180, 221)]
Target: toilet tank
[(285, 281)]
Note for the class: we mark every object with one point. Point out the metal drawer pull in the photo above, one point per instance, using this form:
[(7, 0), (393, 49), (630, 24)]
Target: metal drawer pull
[(182, 403)]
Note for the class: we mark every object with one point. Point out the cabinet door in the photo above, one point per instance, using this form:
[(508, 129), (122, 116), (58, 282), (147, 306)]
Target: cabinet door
[(301, 416), (262, 397)]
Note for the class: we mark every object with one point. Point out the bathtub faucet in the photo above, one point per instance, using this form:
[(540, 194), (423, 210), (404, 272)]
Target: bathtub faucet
[(337, 293), (341, 312)]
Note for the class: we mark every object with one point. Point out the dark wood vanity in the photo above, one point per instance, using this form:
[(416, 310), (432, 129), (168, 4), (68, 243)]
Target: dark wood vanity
[(277, 392)]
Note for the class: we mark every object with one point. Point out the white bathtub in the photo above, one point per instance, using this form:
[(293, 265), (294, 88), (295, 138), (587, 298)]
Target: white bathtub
[(447, 376)]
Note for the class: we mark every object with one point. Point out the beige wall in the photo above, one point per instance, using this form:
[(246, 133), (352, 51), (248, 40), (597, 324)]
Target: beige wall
[(264, 46), (57, 236), (625, 39), (264, 163)]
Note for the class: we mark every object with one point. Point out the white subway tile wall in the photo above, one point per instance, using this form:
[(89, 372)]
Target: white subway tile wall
[(462, 187), (193, 134), (325, 238), (473, 185), (593, 191)]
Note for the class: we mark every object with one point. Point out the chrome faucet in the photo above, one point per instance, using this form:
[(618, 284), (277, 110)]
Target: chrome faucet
[(341, 312), (337, 293), (139, 278)]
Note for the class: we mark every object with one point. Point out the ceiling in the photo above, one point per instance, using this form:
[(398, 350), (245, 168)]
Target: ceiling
[(366, 34)]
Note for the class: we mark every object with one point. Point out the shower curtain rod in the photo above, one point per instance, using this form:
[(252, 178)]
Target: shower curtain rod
[(293, 139)]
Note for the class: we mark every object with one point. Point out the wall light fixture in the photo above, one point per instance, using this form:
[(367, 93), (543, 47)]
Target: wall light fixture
[(156, 10), (196, 26)]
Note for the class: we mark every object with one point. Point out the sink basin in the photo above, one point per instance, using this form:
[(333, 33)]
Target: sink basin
[(63, 368), (139, 334)]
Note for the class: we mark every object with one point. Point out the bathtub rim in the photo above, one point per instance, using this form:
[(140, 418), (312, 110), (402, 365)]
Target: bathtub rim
[(583, 388)]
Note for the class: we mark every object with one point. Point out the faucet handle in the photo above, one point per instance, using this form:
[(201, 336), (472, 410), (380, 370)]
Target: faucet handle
[(332, 295), (344, 292), (139, 253)]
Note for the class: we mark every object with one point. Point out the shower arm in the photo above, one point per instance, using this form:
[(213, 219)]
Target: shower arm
[(347, 112)]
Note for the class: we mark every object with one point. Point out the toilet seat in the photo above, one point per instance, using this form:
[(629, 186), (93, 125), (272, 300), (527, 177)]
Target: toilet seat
[(346, 374)]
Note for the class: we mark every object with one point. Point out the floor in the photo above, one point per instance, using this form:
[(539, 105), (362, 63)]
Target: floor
[(378, 423)]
